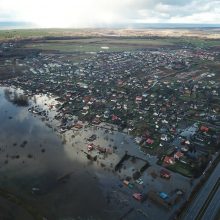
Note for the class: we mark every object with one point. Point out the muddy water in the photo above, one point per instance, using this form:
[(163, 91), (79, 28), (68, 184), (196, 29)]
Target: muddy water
[(39, 175)]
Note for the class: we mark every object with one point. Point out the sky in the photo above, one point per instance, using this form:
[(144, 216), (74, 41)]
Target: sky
[(96, 13)]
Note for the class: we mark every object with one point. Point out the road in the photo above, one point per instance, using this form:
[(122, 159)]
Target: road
[(213, 207), (196, 205)]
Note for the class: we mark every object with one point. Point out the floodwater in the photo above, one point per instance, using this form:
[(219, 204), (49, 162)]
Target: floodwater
[(46, 175), (37, 173)]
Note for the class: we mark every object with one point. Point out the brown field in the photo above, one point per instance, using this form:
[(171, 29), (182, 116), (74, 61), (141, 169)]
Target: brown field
[(211, 33)]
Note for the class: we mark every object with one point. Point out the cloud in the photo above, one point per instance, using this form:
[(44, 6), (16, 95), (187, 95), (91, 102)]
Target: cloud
[(89, 13)]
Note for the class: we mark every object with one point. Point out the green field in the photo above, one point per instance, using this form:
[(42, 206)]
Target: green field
[(29, 33), (181, 168), (96, 44), (81, 47)]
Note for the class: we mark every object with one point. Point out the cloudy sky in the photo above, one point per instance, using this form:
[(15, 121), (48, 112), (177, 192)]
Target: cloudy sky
[(90, 13)]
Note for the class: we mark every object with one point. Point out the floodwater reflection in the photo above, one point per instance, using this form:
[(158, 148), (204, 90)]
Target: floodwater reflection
[(16, 97), (35, 167)]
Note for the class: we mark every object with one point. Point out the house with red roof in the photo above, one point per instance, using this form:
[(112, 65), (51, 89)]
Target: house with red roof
[(169, 160), (138, 98), (178, 155), (115, 117), (149, 141), (204, 129)]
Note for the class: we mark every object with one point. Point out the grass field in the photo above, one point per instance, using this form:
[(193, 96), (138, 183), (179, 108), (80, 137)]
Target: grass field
[(119, 44), (181, 168), (80, 47), (97, 44)]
